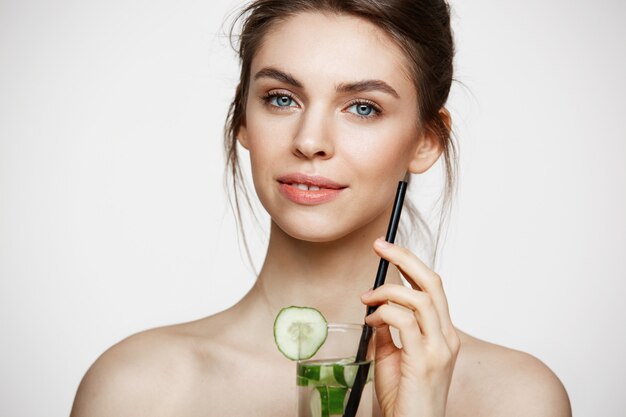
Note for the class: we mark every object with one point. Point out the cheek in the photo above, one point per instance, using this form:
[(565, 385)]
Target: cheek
[(383, 153), (266, 154), (261, 157), (269, 138), (261, 140)]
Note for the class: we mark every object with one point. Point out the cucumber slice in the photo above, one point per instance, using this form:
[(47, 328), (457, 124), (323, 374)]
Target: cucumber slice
[(345, 374), (317, 373), (301, 381), (328, 401), (299, 332)]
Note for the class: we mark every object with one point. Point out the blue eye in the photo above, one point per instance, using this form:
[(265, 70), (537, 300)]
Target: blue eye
[(280, 100), (365, 110)]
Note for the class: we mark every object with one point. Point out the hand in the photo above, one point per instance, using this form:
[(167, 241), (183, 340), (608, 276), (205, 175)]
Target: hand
[(412, 381)]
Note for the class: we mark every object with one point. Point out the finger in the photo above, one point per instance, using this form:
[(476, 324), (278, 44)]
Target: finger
[(404, 321), (417, 301), (418, 275), (384, 343)]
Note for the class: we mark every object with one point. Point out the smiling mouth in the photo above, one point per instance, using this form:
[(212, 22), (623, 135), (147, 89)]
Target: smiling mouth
[(309, 187), (309, 190), (309, 182)]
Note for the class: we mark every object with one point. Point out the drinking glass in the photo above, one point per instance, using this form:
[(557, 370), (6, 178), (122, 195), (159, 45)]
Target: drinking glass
[(325, 380)]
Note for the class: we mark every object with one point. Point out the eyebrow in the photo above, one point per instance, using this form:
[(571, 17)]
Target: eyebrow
[(354, 87), (276, 74), (367, 85)]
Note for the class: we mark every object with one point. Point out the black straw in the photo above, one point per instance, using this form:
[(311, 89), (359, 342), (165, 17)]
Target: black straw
[(366, 335)]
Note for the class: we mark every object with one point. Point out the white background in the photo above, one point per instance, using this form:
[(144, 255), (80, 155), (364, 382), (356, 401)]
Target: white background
[(113, 217)]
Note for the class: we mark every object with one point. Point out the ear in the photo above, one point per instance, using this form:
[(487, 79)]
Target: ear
[(242, 136), (429, 148)]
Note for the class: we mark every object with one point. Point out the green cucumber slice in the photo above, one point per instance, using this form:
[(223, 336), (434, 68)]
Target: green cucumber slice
[(316, 372), (345, 374), (299, 332), (328, 401), (301, 381)]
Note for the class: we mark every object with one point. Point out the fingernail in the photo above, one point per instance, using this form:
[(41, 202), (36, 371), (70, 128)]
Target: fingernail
[(382, 244), (367, 293)]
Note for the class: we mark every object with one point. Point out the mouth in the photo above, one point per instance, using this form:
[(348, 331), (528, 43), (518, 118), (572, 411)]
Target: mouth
[(309, 182), (309, 190)]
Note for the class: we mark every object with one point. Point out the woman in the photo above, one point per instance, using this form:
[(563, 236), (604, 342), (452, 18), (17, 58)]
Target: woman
[(337, 101)]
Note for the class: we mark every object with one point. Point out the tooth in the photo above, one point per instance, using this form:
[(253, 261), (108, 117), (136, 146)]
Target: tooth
[(302, 187), (314, 187)]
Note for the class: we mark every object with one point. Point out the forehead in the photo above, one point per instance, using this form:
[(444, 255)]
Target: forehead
[(333, 48)]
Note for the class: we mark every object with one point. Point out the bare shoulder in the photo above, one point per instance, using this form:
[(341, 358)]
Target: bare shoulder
[(146, 374), (495, 381)]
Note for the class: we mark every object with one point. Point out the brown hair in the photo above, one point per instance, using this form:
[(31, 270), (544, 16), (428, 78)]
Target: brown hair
[(420, 27)]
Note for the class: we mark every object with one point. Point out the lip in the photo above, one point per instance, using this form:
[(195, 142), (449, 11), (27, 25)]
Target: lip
[(328, 189)]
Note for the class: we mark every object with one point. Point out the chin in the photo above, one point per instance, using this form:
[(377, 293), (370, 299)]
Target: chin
[(312, 231), (323, 231)]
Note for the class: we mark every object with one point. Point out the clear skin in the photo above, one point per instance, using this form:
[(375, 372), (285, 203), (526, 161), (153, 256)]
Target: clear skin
[(319, 255)]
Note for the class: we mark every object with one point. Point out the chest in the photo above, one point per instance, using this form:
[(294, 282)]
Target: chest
[(239, 385), (246, 394)]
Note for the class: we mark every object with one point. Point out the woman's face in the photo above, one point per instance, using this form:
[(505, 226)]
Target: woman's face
[(329, 106)]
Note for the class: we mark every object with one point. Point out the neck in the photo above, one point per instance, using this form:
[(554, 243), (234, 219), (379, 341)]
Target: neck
[(329, 276)]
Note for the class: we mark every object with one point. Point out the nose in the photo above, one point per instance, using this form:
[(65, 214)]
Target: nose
[(313, 137)]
